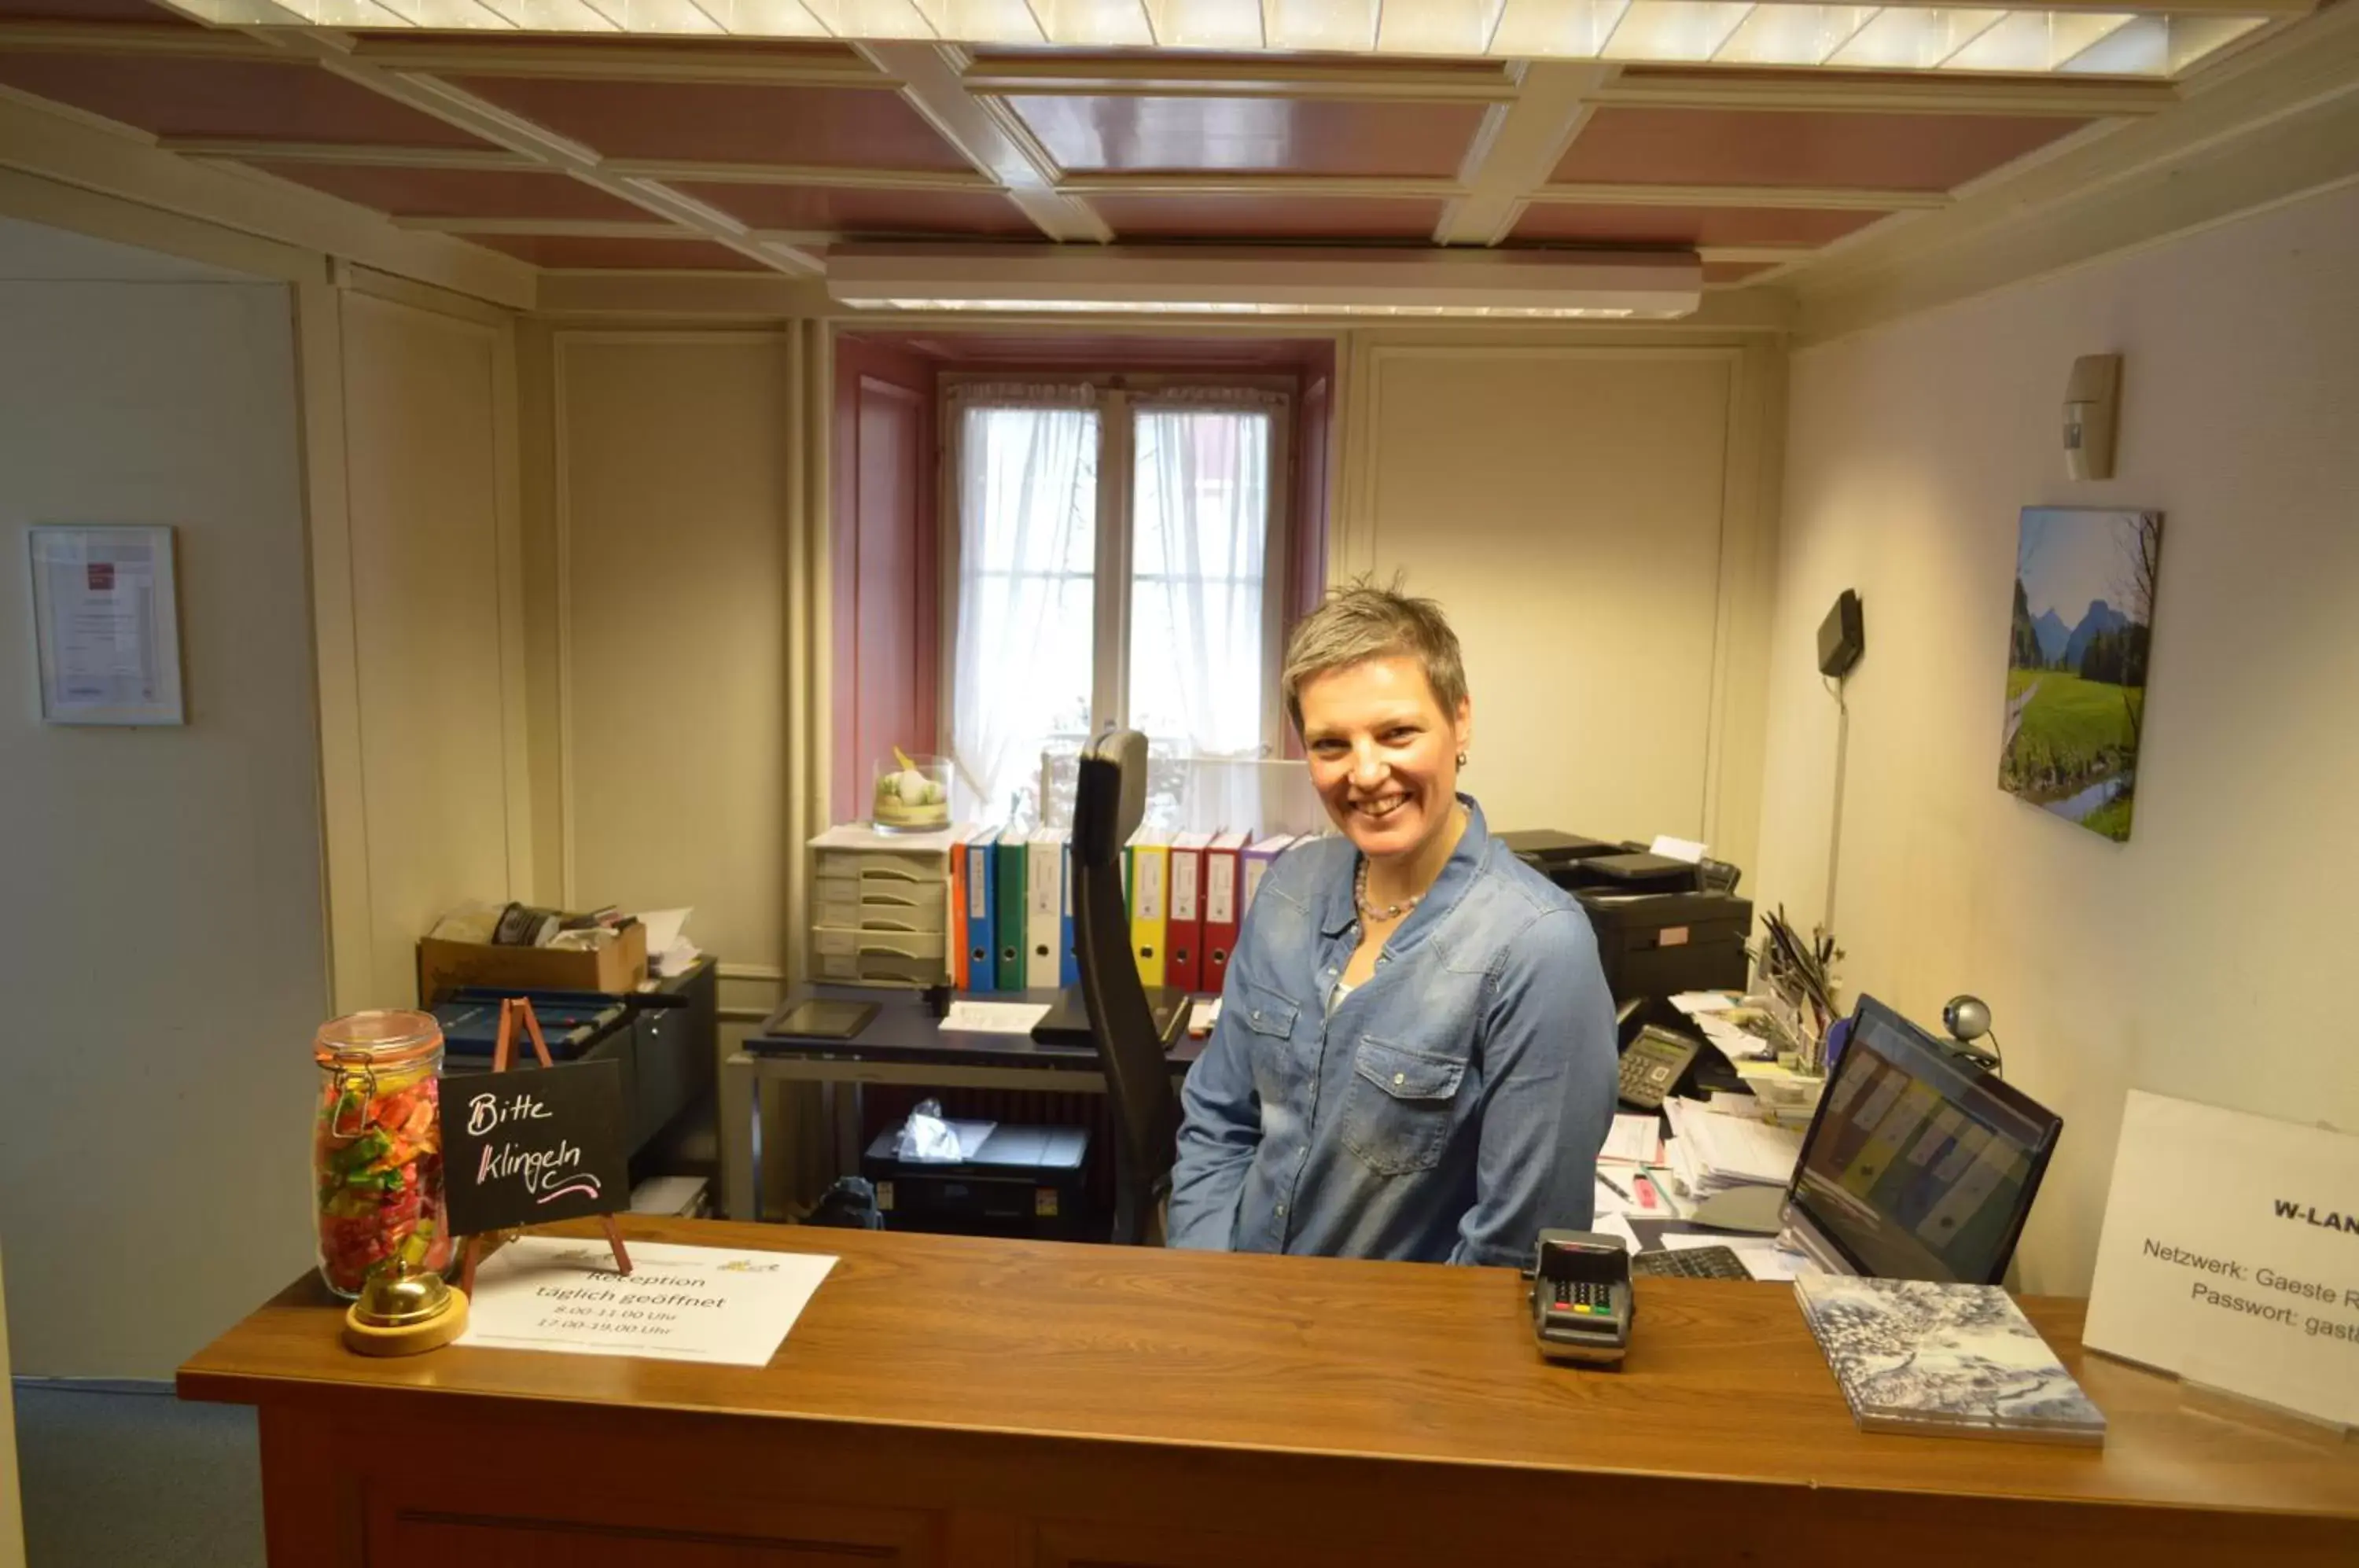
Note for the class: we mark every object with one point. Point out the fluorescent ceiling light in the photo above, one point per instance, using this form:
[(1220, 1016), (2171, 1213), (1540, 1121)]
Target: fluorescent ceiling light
[(1340, 26), (1556, 29), (1438, 29), (2037, 41), (870, 19), (554, 15), (1675, 29), (2118, 42), (1793, 35), (1278, 281), (1904, 39), (2158, 45)]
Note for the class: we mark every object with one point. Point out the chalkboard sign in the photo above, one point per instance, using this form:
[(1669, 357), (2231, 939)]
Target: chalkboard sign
[(530, 1147)]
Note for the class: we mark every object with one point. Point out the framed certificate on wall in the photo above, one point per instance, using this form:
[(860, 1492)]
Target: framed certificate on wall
[(106, 615)]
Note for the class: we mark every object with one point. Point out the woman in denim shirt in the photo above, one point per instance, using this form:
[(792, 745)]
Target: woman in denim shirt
[(1415, 1058)]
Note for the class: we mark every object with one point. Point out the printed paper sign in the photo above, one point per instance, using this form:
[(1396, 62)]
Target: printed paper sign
[(2231, 1256), (107, 625), (678, 1303)]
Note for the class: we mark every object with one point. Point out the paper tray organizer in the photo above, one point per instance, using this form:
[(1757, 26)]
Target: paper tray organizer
[(881, 915)]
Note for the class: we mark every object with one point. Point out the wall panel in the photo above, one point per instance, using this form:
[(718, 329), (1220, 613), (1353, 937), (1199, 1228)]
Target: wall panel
[(2185, 960), (1574, 508), (161, 949), (672, 517), (435, 608)]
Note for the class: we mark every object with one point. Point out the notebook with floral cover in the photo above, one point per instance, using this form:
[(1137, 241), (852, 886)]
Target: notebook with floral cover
[(1944, 1360)]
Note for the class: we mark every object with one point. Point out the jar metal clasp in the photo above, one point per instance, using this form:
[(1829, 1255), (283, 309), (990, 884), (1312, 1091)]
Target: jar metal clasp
[(355, 1089)]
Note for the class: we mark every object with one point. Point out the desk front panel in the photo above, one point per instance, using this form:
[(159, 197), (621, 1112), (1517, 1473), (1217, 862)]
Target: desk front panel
[(515, 1487), (958, 1400)]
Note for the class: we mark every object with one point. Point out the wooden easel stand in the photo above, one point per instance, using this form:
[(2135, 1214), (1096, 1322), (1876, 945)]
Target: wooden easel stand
[(512, 1011)]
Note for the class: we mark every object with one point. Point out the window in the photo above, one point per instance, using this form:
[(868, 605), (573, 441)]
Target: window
[(1115, 567)]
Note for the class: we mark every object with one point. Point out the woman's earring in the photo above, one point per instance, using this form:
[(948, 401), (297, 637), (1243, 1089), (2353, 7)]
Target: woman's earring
[(1462, 759)]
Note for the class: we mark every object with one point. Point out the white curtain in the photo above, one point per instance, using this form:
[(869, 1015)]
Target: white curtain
[(1198, 576), (1027, 543)]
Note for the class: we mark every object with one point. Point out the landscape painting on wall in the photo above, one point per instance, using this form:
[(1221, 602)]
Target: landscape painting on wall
[(2076, 662)]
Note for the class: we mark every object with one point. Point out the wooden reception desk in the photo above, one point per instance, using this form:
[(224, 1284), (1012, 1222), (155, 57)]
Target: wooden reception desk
[(955, 1401)]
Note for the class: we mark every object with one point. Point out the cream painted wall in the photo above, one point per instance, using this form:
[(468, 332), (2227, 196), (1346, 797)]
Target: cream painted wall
[(436, 622), (2188, 961), (671, 519), (1591, 515), (161, 944)]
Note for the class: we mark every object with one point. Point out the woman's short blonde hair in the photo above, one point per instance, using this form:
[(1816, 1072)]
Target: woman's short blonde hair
[(1360, 621)]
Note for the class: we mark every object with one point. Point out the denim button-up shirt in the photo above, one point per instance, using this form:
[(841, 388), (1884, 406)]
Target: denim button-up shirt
[(1451, 1108)]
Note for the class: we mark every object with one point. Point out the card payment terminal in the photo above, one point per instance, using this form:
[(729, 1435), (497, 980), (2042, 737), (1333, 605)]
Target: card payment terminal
[(1581, 1297)]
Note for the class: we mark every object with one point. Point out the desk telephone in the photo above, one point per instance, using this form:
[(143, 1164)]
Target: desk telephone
[(1581, 1297), (1652, 1065)]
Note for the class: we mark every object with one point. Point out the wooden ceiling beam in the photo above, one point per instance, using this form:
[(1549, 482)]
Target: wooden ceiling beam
[(1763, 255), (131, 37), (1822, 198), (2268, 124), (350, 154), (1178, 76), (715, 172), (1518, 147), (990, 135), (551, 228), (1866, 93), (514, 133), (624, 62), (1256, 182), (74, 170), (600, 229)]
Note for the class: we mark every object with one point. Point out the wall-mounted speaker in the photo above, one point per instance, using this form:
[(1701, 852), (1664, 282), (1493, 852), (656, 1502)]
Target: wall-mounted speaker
[(1842, 636)]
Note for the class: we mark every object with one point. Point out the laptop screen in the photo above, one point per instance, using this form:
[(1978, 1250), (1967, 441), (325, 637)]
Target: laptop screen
[(1919, 1165)]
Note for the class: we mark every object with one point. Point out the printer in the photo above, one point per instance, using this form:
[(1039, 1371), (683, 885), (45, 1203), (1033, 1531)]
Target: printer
[(1655, 945), (1663, 925), (1027, 1183)]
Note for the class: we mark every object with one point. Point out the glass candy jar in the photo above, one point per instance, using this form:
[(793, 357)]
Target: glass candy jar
[(376, 1148)]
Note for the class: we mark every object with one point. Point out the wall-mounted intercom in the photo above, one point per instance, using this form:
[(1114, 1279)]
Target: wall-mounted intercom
[(1842, 636), (2092, 405)]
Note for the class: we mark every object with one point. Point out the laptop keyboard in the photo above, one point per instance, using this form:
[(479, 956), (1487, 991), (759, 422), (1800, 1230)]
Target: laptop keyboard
[(1693, 1263)]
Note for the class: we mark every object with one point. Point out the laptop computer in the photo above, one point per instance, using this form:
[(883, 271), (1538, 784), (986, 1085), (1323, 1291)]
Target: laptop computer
[(1068, 1019), (1920, 1163)]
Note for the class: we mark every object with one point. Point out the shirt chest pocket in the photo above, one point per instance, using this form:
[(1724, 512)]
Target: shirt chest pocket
[(1399, 1106), (1269, 1018)]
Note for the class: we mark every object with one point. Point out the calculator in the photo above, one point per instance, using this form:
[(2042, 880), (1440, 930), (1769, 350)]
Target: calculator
[(1652, 1064), (1581, 1297)]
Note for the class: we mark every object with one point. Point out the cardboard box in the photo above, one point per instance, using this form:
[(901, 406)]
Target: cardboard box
[(445, 966)]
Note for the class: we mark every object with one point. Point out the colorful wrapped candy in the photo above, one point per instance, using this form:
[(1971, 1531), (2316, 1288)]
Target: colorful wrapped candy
[(376, 1147)]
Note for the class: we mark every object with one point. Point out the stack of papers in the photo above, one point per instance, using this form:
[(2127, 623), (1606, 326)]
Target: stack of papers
[(1743, 1032), (1614, 1224), (1780, 1093), (669, 952), (993, 1017), (1634, 1140), (1711, 1153)]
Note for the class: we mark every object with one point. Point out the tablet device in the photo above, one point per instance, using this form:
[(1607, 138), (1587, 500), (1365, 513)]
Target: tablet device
[(817, 1019)]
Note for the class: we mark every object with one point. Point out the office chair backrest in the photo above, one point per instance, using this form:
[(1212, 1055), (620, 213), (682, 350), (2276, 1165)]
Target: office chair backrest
[(1107, 804)]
